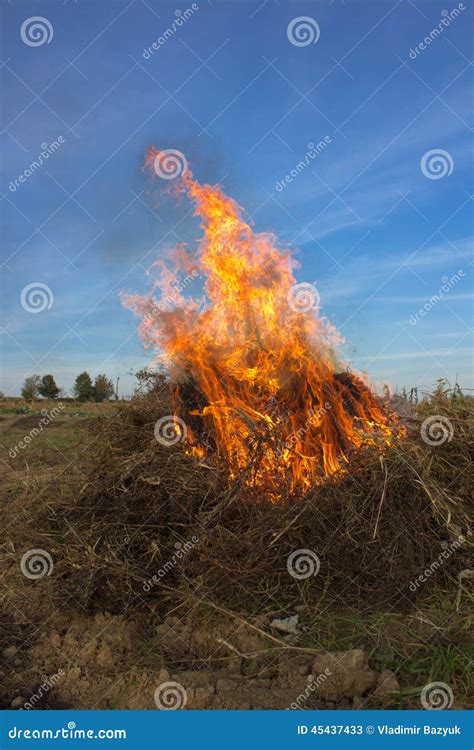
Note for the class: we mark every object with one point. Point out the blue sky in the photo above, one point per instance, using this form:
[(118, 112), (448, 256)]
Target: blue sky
[(229, 89)]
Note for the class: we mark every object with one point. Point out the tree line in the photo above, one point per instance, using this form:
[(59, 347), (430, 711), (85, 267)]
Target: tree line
[(83, 390)]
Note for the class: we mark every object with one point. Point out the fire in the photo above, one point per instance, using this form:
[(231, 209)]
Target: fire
[(253, 365)]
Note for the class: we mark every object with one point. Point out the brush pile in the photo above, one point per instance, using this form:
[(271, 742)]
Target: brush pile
[(144, 525)]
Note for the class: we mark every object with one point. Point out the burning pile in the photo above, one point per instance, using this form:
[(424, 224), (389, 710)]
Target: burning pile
[(253, 364)]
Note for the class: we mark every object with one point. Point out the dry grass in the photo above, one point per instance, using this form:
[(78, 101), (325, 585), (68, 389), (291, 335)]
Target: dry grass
[(117, 522)]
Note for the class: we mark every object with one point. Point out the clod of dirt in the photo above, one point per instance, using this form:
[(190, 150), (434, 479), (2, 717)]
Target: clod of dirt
[(286, 624), (348, 674), (387, 683)]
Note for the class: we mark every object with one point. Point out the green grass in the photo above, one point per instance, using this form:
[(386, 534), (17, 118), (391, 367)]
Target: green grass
[(434, 643), (48, 445)]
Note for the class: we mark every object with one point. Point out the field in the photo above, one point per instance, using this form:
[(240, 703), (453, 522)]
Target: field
[(129, 599)]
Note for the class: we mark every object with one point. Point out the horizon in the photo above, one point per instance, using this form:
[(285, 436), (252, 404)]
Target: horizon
[(379, 219)]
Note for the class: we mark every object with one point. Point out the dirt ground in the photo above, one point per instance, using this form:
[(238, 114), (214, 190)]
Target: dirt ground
[(103, 662), (196, 657)]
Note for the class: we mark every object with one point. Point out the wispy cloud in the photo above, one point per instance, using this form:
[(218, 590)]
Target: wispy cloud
[(420, 354), (420, 299), (362, 272)]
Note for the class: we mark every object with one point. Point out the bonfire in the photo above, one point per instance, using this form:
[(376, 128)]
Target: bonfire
[(254, 447), (253, 364)]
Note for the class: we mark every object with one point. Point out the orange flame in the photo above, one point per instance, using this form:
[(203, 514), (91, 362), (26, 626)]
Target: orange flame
[(254, 357)]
